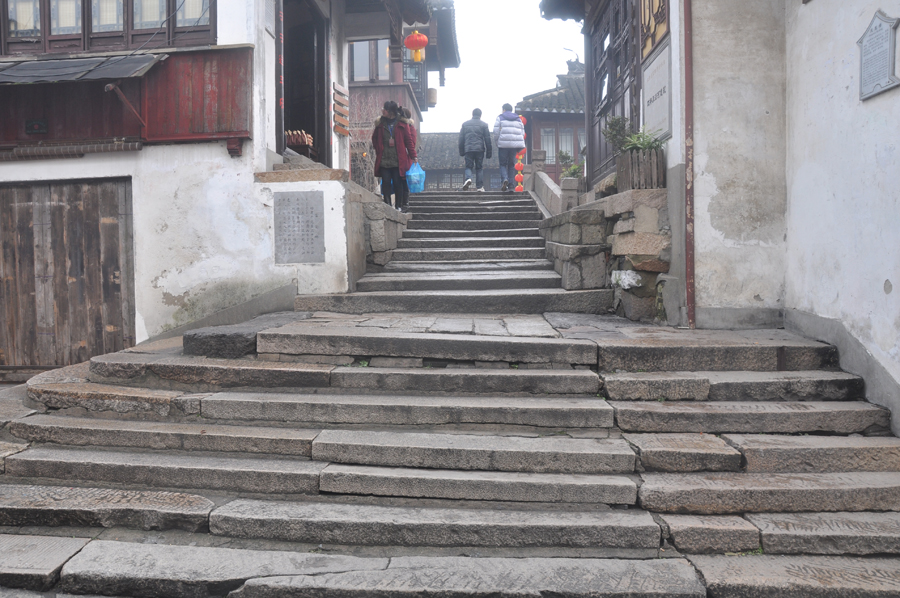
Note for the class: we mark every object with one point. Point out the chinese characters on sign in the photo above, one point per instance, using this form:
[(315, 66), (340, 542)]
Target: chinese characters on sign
[(300, 227), (877, 49)]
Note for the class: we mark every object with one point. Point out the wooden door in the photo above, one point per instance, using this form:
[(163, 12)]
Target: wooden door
[(66, 282)]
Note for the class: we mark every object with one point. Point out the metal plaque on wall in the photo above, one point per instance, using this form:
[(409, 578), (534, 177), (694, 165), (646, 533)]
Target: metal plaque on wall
[(878, 57), (656, 92), (300, 227)]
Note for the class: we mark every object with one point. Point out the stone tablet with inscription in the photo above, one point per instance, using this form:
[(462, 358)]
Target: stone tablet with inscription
[(878, 52), (300, 227)]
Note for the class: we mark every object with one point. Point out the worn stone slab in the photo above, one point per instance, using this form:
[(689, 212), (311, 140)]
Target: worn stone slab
[(420, 224), (812, 454), (653, 386), (11, 404), (25, 505), (711, 534), (130, 569), (721, 493), (478, 485), (33, 562), (204, 372), (785, 386), (299, 176), (105, 398), (462, 577), (520, 301), (159, 436), (236, 340), (410, 410), (448, 338), (532, 327), (752, 417), (513, 253), (474, 452), (684, 452), (489, 327), (199, 470), (628, 201), (829, 533), (470, 380), (7, 449), (395, 362), (374, 525), (796, 576)]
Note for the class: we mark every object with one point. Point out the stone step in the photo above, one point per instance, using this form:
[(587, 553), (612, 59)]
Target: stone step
[(722, 493), (417, 209), (478, 485), (170, 570), (34, 562), (444, 266), (514, 214), (467, 380), (816, 454), (752, 417), (396, 410), (483, 253), (53, 506), (476, 281), (711, 534), (138, 402), (473, 205), (474, 452), (684, 452), (464, 242), (196, 470), (443, 234), (829, 533), (795, 576), (519, 301), (75, 431), (734, 386), (377, 525), (464, 346), (456, 225)]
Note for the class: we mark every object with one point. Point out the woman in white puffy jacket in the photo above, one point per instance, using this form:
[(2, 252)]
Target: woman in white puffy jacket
[(510, 132)]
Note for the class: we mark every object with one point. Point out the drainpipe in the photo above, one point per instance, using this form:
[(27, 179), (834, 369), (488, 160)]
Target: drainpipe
[(279, 77), (689, 164)]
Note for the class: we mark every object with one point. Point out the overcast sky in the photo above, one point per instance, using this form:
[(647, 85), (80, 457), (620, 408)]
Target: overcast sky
[(508, 52)]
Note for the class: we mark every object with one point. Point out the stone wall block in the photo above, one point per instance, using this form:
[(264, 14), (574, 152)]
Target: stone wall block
[(640, 244), (622, 203), (374, 210), (647, 263), (638, 308), (646, 219), (593, 272), (571, 276), (625, 225), (570, 234), (593, 234)]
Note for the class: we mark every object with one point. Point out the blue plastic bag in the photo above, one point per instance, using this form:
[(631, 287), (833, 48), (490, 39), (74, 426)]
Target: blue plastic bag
[(415, 178)]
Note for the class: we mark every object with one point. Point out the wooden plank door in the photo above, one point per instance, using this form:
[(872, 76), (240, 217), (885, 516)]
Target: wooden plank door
[(66, 282)]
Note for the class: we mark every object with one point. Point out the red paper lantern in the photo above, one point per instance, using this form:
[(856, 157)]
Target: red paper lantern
[(521, 154), (524, 120), (520, 167), (520, 177), (416, 42)]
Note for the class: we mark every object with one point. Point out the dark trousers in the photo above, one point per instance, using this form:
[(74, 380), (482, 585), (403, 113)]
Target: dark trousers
[(475, 160), (393, 183), (508, 164)]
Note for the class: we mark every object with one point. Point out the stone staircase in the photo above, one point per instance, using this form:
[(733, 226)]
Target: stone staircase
[(469, 451)]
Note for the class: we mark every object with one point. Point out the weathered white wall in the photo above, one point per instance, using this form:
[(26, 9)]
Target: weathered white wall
[(237, 21), (843, 178), (739, 118)]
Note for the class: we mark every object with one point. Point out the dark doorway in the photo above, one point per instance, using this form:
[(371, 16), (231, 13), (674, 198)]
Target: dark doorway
[(306, 75)]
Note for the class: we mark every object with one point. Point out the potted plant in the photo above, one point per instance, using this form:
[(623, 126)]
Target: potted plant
[(640, 161)]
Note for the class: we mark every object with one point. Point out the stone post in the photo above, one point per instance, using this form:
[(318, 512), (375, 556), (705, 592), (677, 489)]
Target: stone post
[(569, 187), (538, 158)]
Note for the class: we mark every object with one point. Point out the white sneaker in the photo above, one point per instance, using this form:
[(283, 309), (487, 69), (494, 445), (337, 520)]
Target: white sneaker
[(480, 189), (467, 184)]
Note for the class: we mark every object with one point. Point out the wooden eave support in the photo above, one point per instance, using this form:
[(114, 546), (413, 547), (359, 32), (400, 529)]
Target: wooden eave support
[(115, 87)]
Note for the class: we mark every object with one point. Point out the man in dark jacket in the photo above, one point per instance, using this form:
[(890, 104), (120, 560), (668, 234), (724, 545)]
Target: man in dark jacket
[(475, 145)]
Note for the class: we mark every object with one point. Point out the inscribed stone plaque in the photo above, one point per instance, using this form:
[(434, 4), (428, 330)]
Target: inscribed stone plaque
[(300, 227), (877, 55), (657, 93)]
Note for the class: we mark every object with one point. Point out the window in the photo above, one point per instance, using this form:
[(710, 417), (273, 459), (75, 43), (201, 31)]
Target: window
[(51, 26), (581, 141), (371, 61), (548, 144), (567, 141)]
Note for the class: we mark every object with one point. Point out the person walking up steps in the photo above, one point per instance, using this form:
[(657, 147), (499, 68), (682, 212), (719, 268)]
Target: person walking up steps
[(395, 152), (475, 146), (510, 132)]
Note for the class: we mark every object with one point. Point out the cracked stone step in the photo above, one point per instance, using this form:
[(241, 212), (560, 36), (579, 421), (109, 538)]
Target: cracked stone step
[(473, 204), (75, 431), (711, 534), (416, 224), (723, 493), (478, 485), (108, 397), (200, 372), (133, 569), (396, 266), (341, 340), (470, 242), (684, 452), (442, 234), (409, 410), (817, 454), (479, 216), (518, 301), (53, 506), (735, 386), (34, 562), (794, 576), (487, 253), (829, 533), (375, 525), (752, 418), (468, 380), (474, 452), (165, 470), (697, 354), (476, 281)]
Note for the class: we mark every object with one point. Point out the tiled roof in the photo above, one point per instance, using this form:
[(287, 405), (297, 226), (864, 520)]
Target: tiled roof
[(440, 151), (566, 98)]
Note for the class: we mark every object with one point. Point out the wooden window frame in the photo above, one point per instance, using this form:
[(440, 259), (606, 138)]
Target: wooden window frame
[(373, 62), (168, 35)]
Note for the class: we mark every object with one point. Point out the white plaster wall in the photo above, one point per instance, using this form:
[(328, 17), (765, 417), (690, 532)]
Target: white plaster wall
[(843, 175), (339, 73), (237, 21), (675, 146), (739, 118)]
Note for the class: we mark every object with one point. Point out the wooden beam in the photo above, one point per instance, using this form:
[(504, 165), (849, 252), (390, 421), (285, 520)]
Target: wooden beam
[(341, 130), (339, 99), (340, 120), (342, 110)]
